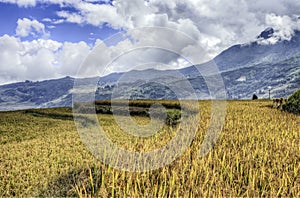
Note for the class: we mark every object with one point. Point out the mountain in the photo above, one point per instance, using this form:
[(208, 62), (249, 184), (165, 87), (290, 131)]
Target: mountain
[(255, 53), (245, 69), (266, 34), (28, 94)]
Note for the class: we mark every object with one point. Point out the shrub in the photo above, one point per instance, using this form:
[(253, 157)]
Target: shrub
[(293, 103), (173, 117)]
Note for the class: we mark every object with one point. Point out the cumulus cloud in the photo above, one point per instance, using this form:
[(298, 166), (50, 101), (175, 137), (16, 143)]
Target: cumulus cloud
[(280, 28), (26, 60), (39, 59), (26, 27), (44, 58), (71, 56)]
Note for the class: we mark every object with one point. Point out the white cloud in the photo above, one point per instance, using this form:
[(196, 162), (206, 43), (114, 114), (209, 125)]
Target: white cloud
[(70, 17), (26, 27), (94, 14), (58, 21), (46, 20), (71, 56), (51, 26), (284, 26), (21, 3), (44, 59), (38, 59), (26, 60)]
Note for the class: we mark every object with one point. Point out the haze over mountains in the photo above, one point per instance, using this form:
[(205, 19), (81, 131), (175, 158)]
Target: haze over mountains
[(245, 69)]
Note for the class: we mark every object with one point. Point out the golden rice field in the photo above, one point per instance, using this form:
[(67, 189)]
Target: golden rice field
[(257, 154)]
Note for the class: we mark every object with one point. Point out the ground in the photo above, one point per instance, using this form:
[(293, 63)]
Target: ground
[(257, 154)]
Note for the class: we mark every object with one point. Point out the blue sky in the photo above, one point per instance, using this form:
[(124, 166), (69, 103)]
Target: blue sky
[(43, 39), (10, 13)]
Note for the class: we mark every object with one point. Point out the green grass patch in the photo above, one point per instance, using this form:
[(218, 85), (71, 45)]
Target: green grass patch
[(293, 103)]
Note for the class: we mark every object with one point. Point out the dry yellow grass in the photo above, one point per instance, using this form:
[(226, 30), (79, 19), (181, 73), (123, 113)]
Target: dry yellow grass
[(257, 154)]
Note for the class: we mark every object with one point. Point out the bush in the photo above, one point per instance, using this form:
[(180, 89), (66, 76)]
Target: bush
[(173, 117), (293, 103)]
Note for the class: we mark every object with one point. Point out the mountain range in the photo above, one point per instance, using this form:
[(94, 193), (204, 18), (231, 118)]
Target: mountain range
[(255, 67)]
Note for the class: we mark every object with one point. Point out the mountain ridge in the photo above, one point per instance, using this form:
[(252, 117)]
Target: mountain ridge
[(245, 69)]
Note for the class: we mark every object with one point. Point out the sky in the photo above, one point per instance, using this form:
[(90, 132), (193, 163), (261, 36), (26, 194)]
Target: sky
[(45, 39)]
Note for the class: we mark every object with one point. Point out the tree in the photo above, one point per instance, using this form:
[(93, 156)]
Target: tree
[(254, 97)]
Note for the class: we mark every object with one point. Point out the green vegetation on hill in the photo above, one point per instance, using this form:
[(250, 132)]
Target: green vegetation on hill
[(293, 103)]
